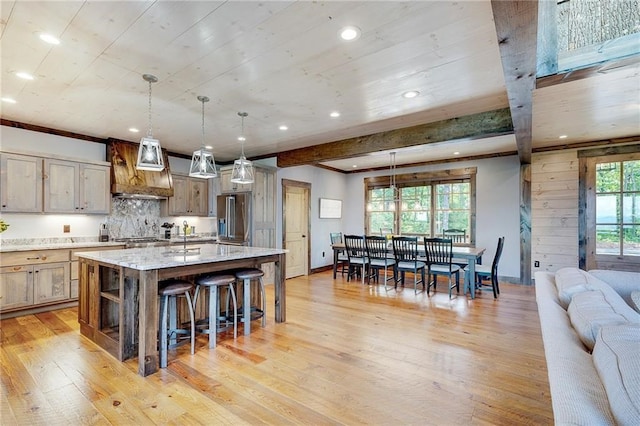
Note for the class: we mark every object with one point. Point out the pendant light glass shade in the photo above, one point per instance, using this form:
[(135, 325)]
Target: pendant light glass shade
[(150, 153), (203, 164), (242, 168)]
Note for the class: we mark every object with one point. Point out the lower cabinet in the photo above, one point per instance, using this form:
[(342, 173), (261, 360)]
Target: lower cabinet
[(39, 279), (27, 285)]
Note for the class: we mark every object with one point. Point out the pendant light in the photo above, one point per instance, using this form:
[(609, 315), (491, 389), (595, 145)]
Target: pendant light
[(242, 168), (203, 164), (392, 180), (150, 152)]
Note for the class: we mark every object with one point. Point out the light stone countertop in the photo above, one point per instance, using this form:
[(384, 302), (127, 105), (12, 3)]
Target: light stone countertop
[(149, 258), (5, 248)]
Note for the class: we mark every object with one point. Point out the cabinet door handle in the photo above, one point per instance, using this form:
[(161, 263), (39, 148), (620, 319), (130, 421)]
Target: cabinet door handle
[(33, 258)]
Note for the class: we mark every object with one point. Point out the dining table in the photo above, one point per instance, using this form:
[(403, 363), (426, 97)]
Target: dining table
[(473, 255)]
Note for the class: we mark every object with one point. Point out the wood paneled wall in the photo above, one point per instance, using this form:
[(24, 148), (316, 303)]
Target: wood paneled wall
[(554, 210)]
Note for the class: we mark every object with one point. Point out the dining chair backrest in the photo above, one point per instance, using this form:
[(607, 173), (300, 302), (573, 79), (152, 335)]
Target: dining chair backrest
[(405, 248), (438, 251), (385, 231), (376, 247), (355, 246), (496, 258), (455, 235), (336, 237)]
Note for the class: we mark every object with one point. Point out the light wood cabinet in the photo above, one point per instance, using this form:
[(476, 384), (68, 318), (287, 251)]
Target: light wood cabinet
[(226, 186), (190, 197), (20, 183), (71, 187), (214, 191), (30, 278), (40, 279)]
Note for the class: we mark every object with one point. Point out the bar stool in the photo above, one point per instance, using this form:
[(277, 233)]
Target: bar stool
[(169, 291), (212, 282), (247, 275)]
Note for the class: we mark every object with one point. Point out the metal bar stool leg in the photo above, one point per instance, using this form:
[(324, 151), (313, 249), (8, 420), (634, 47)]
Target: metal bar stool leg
[(246, 276), (212, 282), (169, 331)]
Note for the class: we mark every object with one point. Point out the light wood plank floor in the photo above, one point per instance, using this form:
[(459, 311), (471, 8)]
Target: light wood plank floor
[(348, 354)]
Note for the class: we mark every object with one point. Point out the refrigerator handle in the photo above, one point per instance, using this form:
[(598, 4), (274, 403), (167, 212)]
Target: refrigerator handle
[(231, 217)]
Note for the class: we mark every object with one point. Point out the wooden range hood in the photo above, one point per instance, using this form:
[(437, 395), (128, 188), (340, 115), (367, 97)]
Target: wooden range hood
[(129, 182)]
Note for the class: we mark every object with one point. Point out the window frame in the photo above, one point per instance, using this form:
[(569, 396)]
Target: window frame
[(588, 258), (425, 179)]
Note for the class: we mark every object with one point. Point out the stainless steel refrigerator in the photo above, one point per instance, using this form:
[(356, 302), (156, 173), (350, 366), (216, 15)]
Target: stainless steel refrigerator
[(234, 219)]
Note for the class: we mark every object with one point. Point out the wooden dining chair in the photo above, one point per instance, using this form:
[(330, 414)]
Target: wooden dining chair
[(484, 272), (343, 259), (378, 255), (439, 255), (385, 231), (405, 252), (456, 235), (357, 254)]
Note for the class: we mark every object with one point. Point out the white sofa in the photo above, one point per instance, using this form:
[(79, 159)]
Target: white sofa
[(591, 338)]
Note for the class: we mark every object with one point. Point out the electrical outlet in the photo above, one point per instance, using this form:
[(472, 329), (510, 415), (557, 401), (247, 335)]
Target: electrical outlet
[(536, 264), (66, 228)]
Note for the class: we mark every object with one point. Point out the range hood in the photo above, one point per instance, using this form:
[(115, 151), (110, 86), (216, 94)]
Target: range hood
[(129, 182)]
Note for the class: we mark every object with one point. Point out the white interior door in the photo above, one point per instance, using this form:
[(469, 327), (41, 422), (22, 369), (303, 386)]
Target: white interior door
[(296, 214)]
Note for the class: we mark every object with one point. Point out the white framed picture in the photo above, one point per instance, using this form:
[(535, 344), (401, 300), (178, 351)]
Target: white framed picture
[(330, 209)]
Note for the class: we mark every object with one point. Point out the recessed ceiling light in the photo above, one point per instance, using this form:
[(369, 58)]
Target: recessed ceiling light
[(456, 153), (283, 127), (208, 147), (242, 138), (9, 100), (24, 76), (334, 114), (133, 130), (562, 137), (48, 38), (350, 33), (410, 94), (355, 166)]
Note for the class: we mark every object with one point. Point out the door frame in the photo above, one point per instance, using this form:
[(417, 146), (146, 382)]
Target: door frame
[(287, 183)]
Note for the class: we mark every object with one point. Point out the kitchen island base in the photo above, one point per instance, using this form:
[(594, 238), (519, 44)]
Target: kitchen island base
[(118, 301)]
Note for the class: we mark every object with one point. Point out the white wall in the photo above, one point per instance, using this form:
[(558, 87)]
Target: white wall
[(497, 206)]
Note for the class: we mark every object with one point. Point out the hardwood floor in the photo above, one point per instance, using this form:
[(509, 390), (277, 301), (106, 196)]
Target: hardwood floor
[(348, 354)]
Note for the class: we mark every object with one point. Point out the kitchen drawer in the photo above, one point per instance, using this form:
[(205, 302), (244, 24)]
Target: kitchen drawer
[(35, 257)]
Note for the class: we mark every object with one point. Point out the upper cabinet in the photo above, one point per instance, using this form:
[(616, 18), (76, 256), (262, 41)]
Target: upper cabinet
[(20, 183), (227, 186), (71, 187), (190, 197), (31, 184)]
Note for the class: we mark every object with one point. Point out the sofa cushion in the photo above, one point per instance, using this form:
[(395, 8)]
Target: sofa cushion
[(590, 310), (623, 282), (570, 281), (616, 356)]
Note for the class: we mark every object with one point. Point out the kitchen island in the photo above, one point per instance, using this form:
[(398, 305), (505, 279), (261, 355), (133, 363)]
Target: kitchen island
[(118, 294)]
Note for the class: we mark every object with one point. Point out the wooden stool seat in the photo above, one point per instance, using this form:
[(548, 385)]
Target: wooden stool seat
[(212, 282), (169, 291), (247, 275)]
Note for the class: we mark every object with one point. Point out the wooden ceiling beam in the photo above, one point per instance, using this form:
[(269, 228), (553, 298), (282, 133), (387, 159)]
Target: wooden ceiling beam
[(517, 30), (475, 126)]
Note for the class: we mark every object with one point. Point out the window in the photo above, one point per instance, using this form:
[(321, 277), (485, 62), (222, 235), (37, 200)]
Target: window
[(618, 208), (610, 201), (425, 204)]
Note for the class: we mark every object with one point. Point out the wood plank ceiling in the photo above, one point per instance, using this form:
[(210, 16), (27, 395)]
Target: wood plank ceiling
[(284, 64)]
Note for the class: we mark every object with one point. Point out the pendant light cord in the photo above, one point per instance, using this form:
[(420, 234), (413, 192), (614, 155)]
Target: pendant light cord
[(243, 115), (149, 132), (203, 101)]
